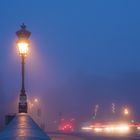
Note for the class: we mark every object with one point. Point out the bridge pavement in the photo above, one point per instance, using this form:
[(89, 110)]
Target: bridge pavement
[(22, 127)]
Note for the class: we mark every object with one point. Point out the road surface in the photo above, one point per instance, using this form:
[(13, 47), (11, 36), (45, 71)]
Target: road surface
[(93, 137), (64, 137)]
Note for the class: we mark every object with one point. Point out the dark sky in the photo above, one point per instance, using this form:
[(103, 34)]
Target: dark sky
[(83, 52)]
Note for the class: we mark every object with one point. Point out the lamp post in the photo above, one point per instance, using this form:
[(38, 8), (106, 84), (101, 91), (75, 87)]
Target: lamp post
[(23, 48), (126, 111), (36, 100)]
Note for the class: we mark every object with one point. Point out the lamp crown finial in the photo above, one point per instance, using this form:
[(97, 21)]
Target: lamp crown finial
[(23, 33), (23, 26)]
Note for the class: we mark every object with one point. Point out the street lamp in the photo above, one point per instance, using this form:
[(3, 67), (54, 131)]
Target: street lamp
[(36, 100), (126, 111), (37, 103), (23, 48)]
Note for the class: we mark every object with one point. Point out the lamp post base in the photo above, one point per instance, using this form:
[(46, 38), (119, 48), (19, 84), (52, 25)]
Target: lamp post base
[(23, 107)]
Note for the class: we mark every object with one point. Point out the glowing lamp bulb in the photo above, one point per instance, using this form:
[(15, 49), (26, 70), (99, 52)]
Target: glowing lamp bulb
[(126, 112), (23, 48), (36, 100)]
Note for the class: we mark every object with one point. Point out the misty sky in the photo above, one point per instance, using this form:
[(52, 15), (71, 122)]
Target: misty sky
[(83, 52)]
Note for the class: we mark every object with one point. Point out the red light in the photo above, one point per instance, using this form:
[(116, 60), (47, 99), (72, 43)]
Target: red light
[(67, 126)]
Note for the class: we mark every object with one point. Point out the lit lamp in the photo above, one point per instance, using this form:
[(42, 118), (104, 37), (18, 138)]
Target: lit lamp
[(36, 100), (23, 48), (126, 111)]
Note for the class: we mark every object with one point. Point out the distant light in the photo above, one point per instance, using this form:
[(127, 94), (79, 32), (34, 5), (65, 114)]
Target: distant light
[(110, 128), (36, 100), (132, 121), (138, 128), (126, 111), (98, 129), (86, 128), (122, 128)]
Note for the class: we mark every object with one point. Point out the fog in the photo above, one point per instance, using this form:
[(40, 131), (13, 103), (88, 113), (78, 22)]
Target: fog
[(81, 54)]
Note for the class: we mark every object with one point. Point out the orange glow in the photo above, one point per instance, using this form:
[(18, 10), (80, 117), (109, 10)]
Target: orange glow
[(119, 128), (23, 48), (36, 100), (126, 112), (98, 129)]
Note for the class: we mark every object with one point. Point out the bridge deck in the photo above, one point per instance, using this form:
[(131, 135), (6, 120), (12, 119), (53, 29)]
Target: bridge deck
[(23, 127)]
